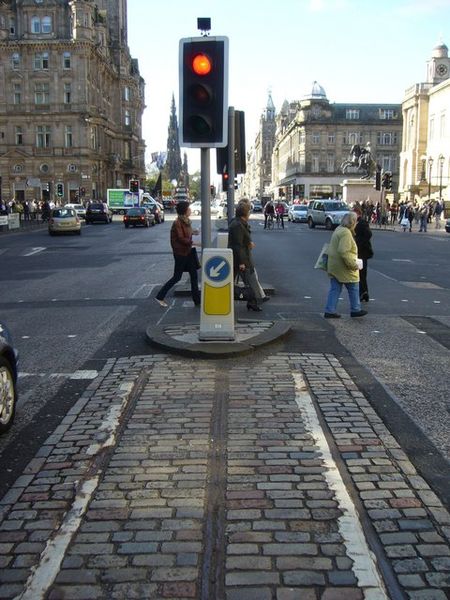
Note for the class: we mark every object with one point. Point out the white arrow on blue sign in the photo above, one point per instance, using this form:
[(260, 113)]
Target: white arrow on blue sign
[(217, 268)]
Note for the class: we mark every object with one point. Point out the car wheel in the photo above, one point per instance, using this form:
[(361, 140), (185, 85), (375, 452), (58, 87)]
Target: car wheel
[(8, 395), (311, 223), (126, 225), (328, 224), (79, 232)]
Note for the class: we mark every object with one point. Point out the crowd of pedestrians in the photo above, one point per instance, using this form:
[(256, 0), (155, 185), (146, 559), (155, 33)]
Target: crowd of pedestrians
[(30, 210), (405, 214)]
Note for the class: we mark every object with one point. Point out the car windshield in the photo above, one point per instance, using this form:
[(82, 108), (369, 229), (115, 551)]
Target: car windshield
[(300, 208), (96, 206), (136, 211), (336, 206), (78, 206), (61, 213)]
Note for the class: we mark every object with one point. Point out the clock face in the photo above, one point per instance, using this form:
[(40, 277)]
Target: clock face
[(441, 70)]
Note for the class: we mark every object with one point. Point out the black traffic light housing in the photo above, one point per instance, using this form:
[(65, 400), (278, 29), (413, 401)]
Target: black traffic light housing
[(225, 180), (387, 180), (203, 106), (60, 190), (134, 186), (377, 185)]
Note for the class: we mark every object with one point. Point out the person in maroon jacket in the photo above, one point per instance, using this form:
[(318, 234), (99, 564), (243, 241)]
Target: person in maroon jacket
[(184, 253)]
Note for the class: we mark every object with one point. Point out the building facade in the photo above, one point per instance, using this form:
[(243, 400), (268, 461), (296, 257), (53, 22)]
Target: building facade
[(425, 155), (314, 137), (71, 100), (258, 177)]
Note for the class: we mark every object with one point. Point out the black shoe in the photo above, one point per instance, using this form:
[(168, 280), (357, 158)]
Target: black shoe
[(254, 307), (360, 313), (265, 299), (332, 316), (364, 298)]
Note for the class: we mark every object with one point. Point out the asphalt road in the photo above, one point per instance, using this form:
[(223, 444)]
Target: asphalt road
[(74, 302)]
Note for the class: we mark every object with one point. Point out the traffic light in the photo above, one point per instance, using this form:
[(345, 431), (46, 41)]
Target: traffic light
[(134, 186), (239, 142), (236, 184), (203, 107), (60, 190), (387, 180), (377, 185), (225, 181)]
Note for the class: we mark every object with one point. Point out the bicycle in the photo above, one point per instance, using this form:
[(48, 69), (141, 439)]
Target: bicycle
[(270, 223)]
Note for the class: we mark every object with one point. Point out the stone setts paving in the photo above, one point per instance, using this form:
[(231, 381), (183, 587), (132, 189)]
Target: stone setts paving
[(267, 478)]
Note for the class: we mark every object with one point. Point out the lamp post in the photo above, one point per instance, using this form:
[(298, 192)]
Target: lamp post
[(430, 166), (441, 160)]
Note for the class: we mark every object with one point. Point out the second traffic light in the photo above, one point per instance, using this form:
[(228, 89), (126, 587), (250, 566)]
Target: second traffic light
[(134, 186), (203, 92)]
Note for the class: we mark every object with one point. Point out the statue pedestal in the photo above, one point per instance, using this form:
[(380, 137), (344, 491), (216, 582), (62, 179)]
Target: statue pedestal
[(360, 190)]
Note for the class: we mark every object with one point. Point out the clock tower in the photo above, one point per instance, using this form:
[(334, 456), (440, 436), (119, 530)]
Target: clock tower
[(438, 67)]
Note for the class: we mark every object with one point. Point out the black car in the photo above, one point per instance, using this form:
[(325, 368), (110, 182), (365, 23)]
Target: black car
[(447, 225), (138, 216), (8, 379), (156, 209), (98, 212)]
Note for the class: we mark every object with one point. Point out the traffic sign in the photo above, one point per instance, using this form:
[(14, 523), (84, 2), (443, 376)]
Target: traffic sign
[(217, 268), (217, 307)]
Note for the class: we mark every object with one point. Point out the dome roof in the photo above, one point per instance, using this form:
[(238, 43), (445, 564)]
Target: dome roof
[(440, 51), (317, 93)]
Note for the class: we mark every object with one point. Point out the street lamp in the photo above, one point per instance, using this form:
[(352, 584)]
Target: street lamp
[(430, 165), (441, 160)]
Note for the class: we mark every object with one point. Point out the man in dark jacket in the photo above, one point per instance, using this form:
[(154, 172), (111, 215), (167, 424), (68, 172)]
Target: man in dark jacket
[(240, 241), (363, 235)]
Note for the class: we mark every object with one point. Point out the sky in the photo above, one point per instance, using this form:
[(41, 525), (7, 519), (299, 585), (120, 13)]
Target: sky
[(357, 50)]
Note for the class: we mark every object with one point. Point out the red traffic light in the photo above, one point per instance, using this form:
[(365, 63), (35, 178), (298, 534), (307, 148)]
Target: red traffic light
[(201, 64)]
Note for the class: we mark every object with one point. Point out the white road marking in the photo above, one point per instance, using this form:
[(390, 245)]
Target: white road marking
[(436, 301), (84, 374), (35, 251), (147, 288), (72, 335), (401, 260), (307, 297), (405, 300), (375, 331), (419, 331), (51, 558), (25, 337), (364, 561)]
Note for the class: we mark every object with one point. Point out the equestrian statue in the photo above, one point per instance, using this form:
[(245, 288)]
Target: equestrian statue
[(362, 159)]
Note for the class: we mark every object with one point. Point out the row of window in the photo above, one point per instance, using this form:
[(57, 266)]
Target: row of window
[(388, 163), (383, 113), (43, 136), (42, 96), (384, 138), (40, 61)]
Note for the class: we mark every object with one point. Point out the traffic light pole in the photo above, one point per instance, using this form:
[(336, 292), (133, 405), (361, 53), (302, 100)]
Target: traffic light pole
[(231, 165), (205, 197)]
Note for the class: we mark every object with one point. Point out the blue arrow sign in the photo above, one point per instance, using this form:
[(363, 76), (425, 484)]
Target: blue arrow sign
[(217, 268)]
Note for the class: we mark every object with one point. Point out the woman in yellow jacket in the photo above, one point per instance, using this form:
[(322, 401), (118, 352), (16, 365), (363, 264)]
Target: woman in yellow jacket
[(343, 268)]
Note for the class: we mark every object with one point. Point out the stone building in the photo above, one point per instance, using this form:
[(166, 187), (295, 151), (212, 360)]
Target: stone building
[(314, 137), (425, 156), (71, 100), (258, 178)]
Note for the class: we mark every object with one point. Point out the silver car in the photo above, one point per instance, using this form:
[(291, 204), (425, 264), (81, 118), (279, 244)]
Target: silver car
[(327, 213), (298, 213)]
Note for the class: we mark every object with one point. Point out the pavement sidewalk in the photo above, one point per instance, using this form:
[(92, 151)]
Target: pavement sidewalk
[(267, 478)]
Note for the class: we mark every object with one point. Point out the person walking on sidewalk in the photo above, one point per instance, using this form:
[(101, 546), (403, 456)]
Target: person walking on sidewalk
[(240, 241), (424, 218), (184, 253), (279, 211), (437, 215), (363, 236), (343, 268)]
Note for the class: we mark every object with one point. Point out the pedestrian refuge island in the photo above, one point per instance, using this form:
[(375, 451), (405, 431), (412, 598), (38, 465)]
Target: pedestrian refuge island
[(217, 299)]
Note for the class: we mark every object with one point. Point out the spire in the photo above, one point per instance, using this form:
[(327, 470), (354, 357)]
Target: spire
[(173, 164), (270, 108)]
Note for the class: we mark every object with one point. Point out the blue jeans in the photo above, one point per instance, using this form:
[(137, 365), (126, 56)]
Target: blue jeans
[(335, 291)]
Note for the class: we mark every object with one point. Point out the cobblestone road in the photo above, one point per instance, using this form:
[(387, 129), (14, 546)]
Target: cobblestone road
[(178, 478)]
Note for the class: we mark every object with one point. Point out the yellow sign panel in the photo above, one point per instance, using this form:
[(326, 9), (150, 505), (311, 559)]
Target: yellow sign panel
[(216, 300)]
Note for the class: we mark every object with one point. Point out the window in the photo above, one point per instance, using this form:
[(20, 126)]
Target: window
[(41, 93), (352, 113), (126, 93), (316, 138), (15, 61), (35, 25), (68, 138), (388, 113), (331, 138), (43, 136), (386, 138), (67, 93), (330, 163), (94, 137), (41, 60), (354, 138), (19, 136), (442, 125), (17, 93), (127, 118), (12, 26), (66, 60), (46, 24), (315, 164), (431, 128)]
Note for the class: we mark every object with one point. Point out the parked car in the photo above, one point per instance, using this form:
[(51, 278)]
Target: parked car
[(447, 225), (138, 216), (8, 379), (156, 208), (98, 212), (80, 209), (327, 213), (196, 208), (257, 206), (64, 220), (168, 203), (298, 213)]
